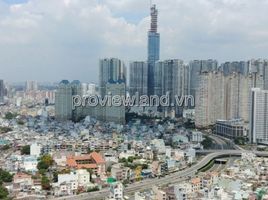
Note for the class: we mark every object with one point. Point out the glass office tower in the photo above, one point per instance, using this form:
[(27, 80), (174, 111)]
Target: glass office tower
[(153, 49)]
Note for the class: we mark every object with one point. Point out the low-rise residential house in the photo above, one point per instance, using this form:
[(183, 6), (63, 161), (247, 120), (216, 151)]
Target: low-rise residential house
[(116, 191), (159, 194), (196, 136), (83, 178), (35, 149), (60, 159), (93, 161), (119, 172), (127, 154), (29, 163), (22, 182), (181, 191), (65, 188), (196, 184), (67, 184)]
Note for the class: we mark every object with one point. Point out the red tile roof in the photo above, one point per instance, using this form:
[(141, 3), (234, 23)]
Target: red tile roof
[(94, 159)]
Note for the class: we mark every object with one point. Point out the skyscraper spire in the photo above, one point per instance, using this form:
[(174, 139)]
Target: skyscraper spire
[(154, 13)]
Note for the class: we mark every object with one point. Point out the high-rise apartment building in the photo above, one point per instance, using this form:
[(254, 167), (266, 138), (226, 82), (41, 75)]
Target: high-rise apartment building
[(111, 70), (236, 66), (153, 49), (197, 67), (115, 113), (236, 94), (210, 99), (63, 100), (258, 132), (170, 77), (31, 86), (138, 82)]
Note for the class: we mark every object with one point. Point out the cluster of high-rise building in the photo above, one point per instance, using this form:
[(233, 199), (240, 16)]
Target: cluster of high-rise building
[(31, 86), (221, 91), (235, 90)]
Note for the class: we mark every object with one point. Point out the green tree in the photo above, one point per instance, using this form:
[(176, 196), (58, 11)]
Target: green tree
[(25, 150), (5, 147), (55, 176), (5, 176), (47, 159), (109, 169), (207, 142), (4, 129), (240, 140), (20, 122), (45, 183), (93, 189), (130, 159), (144, 166), (44, 163), (10, 115), (3, 192)]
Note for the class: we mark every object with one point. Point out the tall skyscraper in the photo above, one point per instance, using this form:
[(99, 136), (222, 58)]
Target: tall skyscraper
[(2, 91), (153, 49), (111, 70), (138, 78), (258, 132)]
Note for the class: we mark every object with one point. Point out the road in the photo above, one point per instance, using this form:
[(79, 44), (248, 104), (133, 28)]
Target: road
[(170, 179), (221, 143)]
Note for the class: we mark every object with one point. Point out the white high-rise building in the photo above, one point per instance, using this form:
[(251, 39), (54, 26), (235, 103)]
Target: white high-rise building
[(209, 99), (91, 89), (31, 86), (236, 93), (259, 116)]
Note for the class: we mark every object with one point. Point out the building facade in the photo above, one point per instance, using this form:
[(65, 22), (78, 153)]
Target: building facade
[(231, 128), (2, 91), (259, 116), (138, 82)]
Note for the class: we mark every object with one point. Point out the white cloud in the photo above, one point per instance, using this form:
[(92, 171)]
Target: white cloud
[(52, 40)]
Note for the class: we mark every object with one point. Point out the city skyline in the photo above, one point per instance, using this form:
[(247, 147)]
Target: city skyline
[(36, 35)]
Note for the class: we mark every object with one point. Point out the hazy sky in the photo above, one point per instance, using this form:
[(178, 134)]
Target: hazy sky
[(50, 40)]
